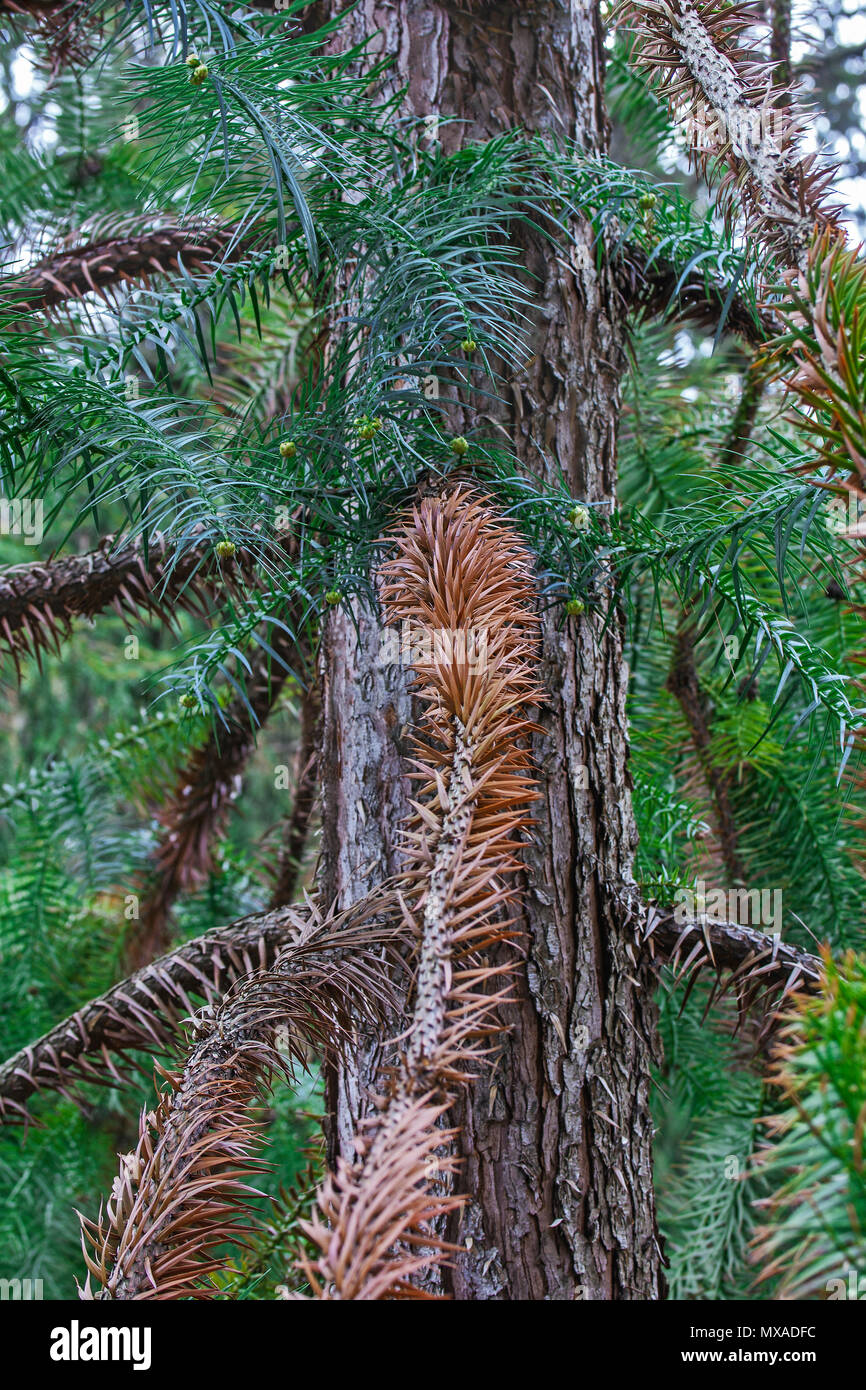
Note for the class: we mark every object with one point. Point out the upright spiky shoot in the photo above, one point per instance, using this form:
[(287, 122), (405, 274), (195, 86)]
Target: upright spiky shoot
[(461, 589)]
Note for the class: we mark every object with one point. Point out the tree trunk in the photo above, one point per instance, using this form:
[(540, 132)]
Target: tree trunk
[(366, 713), (557, 1140)]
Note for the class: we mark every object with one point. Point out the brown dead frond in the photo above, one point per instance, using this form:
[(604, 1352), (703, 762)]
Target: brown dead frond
[(144, 1014), (820, 347), (185, 1190), (462, 581), (40, 602), (375, 1235)]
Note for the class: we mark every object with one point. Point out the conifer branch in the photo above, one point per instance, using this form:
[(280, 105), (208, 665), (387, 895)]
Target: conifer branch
[(121, 255), (684, 685), (684, 681), (780, 42), (656, 288), (39, 602), (694, 50), (142, 1013), (816, 348), (759, 969), (66, 38), (462, 579), (821, 350), (810, 1240), (755, 379), (184, 1192)]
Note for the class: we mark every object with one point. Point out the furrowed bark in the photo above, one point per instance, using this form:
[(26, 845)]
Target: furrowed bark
[(366, 716), (557, 1148)]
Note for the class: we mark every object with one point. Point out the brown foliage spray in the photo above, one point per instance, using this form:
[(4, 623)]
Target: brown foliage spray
[(184, 1192), (462, 580)]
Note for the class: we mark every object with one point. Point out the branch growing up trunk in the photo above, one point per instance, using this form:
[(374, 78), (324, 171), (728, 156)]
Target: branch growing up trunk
[(183, 1193), (39, 602), (463, 580)]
